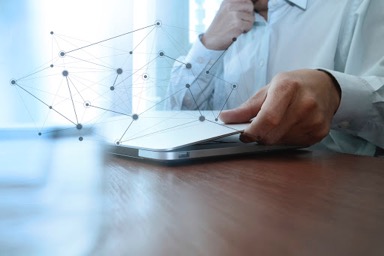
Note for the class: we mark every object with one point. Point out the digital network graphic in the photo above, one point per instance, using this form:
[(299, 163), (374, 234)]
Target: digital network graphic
[(123, 78)]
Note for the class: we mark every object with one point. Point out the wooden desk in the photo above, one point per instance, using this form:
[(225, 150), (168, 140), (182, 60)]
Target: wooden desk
[(300, 203)]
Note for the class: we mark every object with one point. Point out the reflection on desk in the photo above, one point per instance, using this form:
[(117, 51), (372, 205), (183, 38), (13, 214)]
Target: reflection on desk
[(296, 203)]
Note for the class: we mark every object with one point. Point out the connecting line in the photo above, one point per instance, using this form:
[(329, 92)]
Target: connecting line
[(114, 82), (176, 60), (174, 42), (173, 59), (63, 115), (158, 103), (50, 107), (189, 89), (90, 62), (122, 81), (217, 60), (126, 130), (73, 103), (196, 80), (41, 70), (108, 39), (109, 110), (145, 37), (226, 100), (163, 130), (224, 125), (78, 92)]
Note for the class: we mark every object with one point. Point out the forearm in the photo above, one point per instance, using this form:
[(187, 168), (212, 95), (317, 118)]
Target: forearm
[(360, 60), (361, 108), (192, 80)]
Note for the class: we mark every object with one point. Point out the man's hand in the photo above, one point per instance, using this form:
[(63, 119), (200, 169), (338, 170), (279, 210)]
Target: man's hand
[(233, 18), (295, 108)]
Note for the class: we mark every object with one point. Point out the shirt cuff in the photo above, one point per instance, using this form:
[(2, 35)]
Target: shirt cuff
[(200, 55), (355, 103)]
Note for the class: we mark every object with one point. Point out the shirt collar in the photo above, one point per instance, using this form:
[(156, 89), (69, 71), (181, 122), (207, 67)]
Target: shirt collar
[(300, 3)]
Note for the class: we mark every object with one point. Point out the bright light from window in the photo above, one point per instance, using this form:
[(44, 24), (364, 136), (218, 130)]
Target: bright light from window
[(28, 46), (201, 13)]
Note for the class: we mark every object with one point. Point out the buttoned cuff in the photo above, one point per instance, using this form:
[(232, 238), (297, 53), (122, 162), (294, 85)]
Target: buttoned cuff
[(355, 103), (200, 55)]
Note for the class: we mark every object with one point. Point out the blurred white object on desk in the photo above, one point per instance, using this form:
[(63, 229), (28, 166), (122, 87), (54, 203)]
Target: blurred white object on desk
[(50, 194)]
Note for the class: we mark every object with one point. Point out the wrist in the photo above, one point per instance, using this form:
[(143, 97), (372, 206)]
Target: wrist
[(334, 81), (335, 85), (212, 44)]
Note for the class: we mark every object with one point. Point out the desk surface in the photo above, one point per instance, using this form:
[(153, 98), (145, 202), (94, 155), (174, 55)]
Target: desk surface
[(296, 203)]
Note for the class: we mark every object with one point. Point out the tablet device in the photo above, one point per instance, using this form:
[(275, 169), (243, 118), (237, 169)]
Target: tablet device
[(178, 135)]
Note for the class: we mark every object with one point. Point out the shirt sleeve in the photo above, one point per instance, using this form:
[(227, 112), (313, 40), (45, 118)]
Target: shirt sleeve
[(192, 84), (361, 110)]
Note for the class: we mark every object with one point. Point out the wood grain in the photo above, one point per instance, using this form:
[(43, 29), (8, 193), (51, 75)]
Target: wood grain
[(296, 203)]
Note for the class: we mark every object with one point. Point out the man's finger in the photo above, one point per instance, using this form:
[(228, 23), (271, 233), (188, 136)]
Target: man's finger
[(273, 110), (246, 111), (236, 6)]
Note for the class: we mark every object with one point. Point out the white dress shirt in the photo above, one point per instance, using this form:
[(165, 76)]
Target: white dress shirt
[(344, 37)]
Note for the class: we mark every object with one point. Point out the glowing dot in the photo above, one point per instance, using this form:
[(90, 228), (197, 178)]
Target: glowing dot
[(39, 133), (13, 82), (158, 23), (51, 33), (234, 39), (87, 104), (145, 76), (161, 54), (202, 118), (61, 54), (65, 73), (188, 65), (135, 117), (207, 72), (234, 86), (187, 86), (117, 142), (81, 138), (112, 88), (216, 119), (79, 126), (130, 52), (51, 66), (119, 71), (50, 107)]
